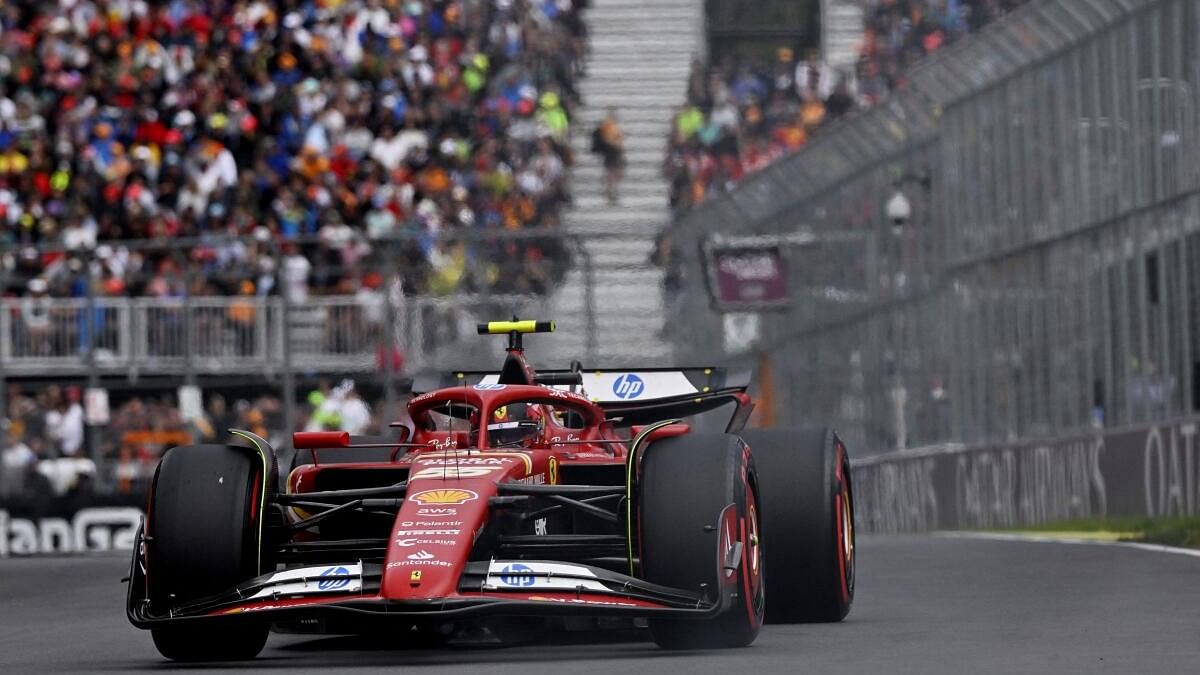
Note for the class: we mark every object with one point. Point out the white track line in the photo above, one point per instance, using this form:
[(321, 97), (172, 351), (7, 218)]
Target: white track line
[(1037, 538)]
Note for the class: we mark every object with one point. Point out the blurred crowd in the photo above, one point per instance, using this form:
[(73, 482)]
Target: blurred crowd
[(741, 116), (42, 445), (287, 139), (46, 457)]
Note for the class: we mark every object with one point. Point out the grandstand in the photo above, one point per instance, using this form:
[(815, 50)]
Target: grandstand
[(742, 114), (331, 126), (269, 197), (245, 192)]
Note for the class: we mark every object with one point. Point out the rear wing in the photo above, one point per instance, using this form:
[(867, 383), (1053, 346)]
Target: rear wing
[(631, 396)]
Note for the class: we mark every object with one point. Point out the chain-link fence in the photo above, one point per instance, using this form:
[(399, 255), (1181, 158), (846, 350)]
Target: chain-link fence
[(1006, 249)]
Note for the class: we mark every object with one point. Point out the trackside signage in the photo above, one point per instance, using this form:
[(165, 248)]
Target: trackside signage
[(87, 531), (747, 277), (1143, 471)]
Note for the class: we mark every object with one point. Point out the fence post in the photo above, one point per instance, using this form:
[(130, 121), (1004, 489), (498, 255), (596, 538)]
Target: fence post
[(289, 378), (262, 345), (93, 375), (5, 344), (1185, 328), (389, 335), (189, 365), (589, 302), (124, 349), (5, 348)]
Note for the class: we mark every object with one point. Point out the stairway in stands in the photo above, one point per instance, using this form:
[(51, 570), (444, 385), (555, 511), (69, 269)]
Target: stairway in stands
[(641, 51), (841, 32)]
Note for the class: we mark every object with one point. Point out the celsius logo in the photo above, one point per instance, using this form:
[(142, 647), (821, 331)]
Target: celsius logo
[(517, 574), (628, 386), (333, 579)]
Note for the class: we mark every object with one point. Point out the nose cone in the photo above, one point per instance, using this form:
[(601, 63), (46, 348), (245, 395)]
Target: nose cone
[(445, 509)]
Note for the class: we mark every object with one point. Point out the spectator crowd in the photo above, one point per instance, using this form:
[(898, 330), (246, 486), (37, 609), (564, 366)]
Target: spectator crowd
[(286, 140), (741, 116), (47, 460)]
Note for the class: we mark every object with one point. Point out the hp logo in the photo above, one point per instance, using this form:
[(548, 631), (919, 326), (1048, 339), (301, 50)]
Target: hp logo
[(332, 584), (517, 575), (628, 386)]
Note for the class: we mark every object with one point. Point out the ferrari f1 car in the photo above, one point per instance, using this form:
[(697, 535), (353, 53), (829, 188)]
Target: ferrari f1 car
[(512, 497)]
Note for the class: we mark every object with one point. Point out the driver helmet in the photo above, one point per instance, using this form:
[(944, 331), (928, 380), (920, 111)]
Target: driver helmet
[(515, 424)]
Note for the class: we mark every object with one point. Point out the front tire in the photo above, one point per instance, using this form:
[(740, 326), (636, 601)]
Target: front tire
[(233, 642), (204, 532), (696, 501), (808, 514)]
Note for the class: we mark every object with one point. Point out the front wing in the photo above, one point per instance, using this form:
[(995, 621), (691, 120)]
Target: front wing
[(352, 594)]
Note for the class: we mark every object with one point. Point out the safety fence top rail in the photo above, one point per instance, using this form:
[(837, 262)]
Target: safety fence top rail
[(221, 335), (1024, 37), (841, 150)]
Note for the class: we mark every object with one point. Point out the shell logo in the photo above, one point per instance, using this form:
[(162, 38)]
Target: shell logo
[(444, 497)]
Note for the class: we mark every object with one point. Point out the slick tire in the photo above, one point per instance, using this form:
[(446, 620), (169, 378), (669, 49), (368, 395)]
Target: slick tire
[(696, 500), (204, 530), (808, 516), (233, 642)]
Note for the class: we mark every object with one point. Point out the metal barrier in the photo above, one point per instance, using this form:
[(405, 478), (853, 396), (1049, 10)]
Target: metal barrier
[(375, 335), (1142, 470), (1046, 280), (222, 335)]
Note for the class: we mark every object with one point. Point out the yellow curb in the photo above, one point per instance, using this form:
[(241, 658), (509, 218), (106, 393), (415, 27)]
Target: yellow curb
[(1091, 535)]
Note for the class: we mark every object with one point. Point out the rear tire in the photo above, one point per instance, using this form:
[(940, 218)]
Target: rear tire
[(808, 515), (203, 537), (696, 500)]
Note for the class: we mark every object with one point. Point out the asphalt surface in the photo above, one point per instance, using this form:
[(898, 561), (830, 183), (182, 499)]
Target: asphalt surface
[(924, 605)]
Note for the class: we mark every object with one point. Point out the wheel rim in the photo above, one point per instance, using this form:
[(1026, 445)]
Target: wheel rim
[(754, 550), (752, 560), (845, 528)]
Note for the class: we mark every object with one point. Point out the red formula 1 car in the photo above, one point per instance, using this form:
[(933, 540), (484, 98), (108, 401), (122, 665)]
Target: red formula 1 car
[(513, 498)]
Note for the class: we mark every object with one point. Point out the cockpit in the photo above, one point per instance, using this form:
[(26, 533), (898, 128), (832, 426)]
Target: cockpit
[(536, 421)]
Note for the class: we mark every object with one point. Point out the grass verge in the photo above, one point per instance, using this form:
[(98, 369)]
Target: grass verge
[(1172, 531)]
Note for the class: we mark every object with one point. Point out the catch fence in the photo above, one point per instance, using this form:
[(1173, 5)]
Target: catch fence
[(1044, 278)]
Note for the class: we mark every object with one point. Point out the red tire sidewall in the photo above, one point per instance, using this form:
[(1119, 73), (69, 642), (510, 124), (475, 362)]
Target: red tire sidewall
[(843, 530), (752, 577)]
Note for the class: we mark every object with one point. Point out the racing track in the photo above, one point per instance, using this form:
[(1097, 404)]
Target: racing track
[(924, 605)]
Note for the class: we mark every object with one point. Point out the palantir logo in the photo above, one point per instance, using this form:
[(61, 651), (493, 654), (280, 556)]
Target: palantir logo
[(517, 574), (333, 579), (628, 386)]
